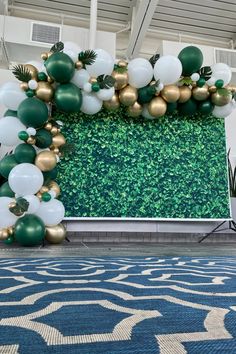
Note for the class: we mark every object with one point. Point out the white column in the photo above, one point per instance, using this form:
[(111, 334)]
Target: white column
[(93, 24)]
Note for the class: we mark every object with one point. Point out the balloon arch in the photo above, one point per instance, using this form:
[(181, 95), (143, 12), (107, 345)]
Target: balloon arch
[(87, 81)]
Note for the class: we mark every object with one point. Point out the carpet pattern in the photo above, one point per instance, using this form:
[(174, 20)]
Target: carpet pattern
[(118, 305)]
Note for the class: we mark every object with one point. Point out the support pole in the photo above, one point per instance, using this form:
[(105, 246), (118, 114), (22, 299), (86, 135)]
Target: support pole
[(93, 24)]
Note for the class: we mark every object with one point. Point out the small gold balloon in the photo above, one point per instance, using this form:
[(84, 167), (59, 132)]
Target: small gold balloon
[(46, 161), (79, 65), (55, 234), (157, 107), (121, 79), (4, 234), (24, 86), (212, 89), (31, 140), (128, 95), (55, 150), (58, 140), (48, 126), (39, 195), (44, 56), (221, 99), (10, 230), (54, 131), (135, 110), (113, 103), (50, 80), (93, 80), (194, 84), (200, 93), (33, 71), (44, 91), (185, 94), (49, 54), (170, 93), (55, 187), (122, 63), (43, 189), (12, 205), (231, 88)]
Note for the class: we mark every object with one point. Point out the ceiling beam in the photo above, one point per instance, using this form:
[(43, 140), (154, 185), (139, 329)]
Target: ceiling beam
[(140, 24)]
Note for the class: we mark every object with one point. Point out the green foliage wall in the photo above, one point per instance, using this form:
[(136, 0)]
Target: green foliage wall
[(173, 167)]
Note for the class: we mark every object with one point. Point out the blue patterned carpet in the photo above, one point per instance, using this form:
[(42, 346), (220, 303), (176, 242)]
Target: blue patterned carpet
[(128, 305)]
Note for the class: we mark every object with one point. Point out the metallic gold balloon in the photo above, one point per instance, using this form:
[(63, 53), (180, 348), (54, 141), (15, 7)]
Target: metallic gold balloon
[(33, 71), (24, 86), (31, 140), (221, 99), (39, 195), (93, 80), (10, 230), (4, 234), (46, 161), (55, 234), (50, 80), (157, 107), (43, 189), (128, 96), (44, 91), (135, 110), (58, 140), (55, 187), (212, 89), (113, 103), (12, 205), (200, 93), (122, 63), (121, 80), (55, 150), (48, 126), (170, 93), (79, 65), (54, 131), (185, 94), (231, 88), (44, 56)]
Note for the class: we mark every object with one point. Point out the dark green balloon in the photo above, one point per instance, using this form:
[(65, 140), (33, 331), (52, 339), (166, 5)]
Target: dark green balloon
[(25, 153), (68, 98), (50, 175), (29, 230), (60, 67), (145, 94), (10, 113), (43, 138), (33, 112), (188, 108), (171, 107), (5, 191), (206, 107), (7, 164), (191, 58), (9, 240)]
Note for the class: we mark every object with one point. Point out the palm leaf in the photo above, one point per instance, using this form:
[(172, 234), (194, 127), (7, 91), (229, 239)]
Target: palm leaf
[(120, 69), (106, 81), (87, 57), (22, 73), (154, 59), (57, 47), (205, 72), (186, 81), (21, 207)]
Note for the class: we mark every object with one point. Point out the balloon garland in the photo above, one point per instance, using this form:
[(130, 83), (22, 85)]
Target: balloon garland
[(75, 80)]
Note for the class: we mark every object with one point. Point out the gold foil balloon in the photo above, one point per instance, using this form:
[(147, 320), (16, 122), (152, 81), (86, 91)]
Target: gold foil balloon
[(4, 234), (128, 96), (170, 93), (58, 140), (78, 65), (54, 131), (44, 56), (121, 79), (46, 161), (48, 126), (113, 103), (44, 91), (31, 140), (55, 234), (157, 107), (24, 86), (33, 71), (212, 89), (122, 63), (185, 94), (55, 187), (200, 93), (135, 110), (231, 88), (222, 98)]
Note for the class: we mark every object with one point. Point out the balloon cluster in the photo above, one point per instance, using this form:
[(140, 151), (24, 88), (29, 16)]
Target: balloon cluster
[(75, 80)]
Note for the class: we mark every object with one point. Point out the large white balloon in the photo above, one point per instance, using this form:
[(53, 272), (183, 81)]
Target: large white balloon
[(25, 179), (9, 129), (223, 111), (140, 72), (90, 103), (106, 94), (168, 69), (72, 50), (12, 95), (221, 71), (6, 217), (80, 78), (103, 65), (34, 203), (51, 212)]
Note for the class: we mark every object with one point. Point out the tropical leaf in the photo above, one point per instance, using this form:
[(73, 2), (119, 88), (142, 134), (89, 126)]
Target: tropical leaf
[(223, 92), (205, 72), (57, 47), (106, 81), (186, 81), (87, 57), (154, 59), (22, 73), (21, 207), (120, 69)]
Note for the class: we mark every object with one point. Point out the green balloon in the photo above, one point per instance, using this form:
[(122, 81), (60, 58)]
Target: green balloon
[(68, 98), (145, 94), (43, 138), (29, 230), (188, 108), (60, 67), (171, 107), (33, 112), (10, 113), (191, 59), (5, 191), (7, 164), (25, 153), (9, 240), (206, 107), (50, 175)]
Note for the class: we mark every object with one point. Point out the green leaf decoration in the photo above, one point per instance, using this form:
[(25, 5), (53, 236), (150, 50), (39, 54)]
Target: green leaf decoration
[(57, 47), (21, 207), (186, 81), (22, 73), (205, 72), (120, 69), (223, 92), (87, 57), (156, 84), (106, 81), (154, 59)]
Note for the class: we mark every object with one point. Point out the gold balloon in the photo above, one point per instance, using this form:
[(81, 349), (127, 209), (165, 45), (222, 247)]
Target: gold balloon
[(33, 71), (58, 140), (121, 79), (93, 80), (12, 205), (44, 56), (48, 126), (55, 234), (212, 89), (185, 94), (200, 93), (231, 88), (79, 65), (128, 96), (113, 103), (50, 80), (55, 187), (170, 93), (54, 131), (157, 107), (135, 110), (44, 91), (43, 189), (221, 99), (24, 86), (31, 140), (39, 195), (122, 63), (4, 234), (10, 230), (46, 161)]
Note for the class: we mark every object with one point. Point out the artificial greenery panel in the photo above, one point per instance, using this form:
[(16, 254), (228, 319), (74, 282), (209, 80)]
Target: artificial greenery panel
[(172, 167)]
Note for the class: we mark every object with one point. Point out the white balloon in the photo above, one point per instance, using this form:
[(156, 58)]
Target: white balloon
[(145, 112), (103, 65), (33, 84), (90, 103), (7, 218), (12, 95), (168, 69), (105, 94), (9, 129), (221, 71), (140, 72), (211, 81), (34, 203), (31, 131), (87, 87), (80, 78), (72, 46), (223, 111), (25, 179), (195, 77), (73, 55), (51, 212)]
